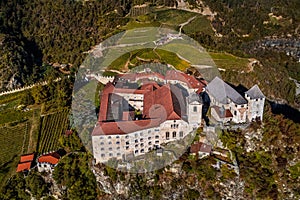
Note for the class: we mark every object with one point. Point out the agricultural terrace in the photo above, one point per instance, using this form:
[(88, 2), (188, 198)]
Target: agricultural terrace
[(14, 140), (51, 128), (138, 57)]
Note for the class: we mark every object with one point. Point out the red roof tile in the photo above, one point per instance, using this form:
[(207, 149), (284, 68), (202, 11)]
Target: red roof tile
[(227, 113), (51, 158), (159, 103), (26, 158), (199, 146), (124, 127), (24, 166), (190, 80)]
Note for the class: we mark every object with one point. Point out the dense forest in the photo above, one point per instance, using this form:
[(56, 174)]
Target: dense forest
[(36, 34)]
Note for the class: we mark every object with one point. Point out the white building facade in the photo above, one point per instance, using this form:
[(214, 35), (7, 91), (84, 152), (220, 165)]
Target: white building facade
[(169, 113)]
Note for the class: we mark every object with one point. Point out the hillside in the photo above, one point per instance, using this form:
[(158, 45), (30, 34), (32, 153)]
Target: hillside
[(251, 42), (36, 33)]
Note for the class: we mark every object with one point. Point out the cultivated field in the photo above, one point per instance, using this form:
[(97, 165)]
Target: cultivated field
[(51, 128), (14, 141)]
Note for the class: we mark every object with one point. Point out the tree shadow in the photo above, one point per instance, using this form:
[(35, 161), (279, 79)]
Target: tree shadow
[(286, 110)]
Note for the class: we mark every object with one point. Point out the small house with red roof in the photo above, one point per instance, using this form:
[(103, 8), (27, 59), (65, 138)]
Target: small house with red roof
[(47, 162), (200, 149), (25, 162)]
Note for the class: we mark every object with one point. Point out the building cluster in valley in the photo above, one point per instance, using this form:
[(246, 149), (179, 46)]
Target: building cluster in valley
[(141, 111)]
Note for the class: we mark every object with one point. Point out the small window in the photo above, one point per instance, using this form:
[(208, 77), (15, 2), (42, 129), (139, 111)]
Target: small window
[(109, 137), (149, 143), (102, 143), (141, 139), (149, 138), (181, 134), (157, 136), (110, 154), (235, 112), (117, 142), (127, 147), (118, 154), (174, 134), (126, 136), (142, 150), (117, 136), (195, 109), (110, 149), (103, 155), (136, 151), (118, 148), (102, 149), (109, 143), (156, 142), (136, 141), (127, 142), (167, 135), (149, 131)]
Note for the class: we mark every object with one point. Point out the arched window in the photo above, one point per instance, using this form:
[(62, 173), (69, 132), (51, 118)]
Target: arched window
[(174, 134)]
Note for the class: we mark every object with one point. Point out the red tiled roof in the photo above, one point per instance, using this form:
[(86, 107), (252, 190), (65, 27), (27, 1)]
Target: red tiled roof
[(150, 86), (124, 127), (51, 158), (227, 113), (26, 158), (199, 146), (68, 132), (139, 76), (24, 166), (159, 103), (190, 80)]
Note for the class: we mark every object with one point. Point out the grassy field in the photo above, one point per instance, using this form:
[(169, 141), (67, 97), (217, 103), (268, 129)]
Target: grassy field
[(190, 53), (199, 24), (228, 61), (169, 18), (51, 128), (139, 57), (8, 109), (173, 17)]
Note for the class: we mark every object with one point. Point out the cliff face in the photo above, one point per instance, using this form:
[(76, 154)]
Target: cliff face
[(17, 65)]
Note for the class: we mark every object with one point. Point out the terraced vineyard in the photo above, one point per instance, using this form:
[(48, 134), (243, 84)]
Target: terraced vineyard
[(51, 128), (14, 141)]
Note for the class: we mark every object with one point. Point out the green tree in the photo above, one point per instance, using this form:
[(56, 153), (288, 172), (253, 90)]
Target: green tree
[(36, 185)]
